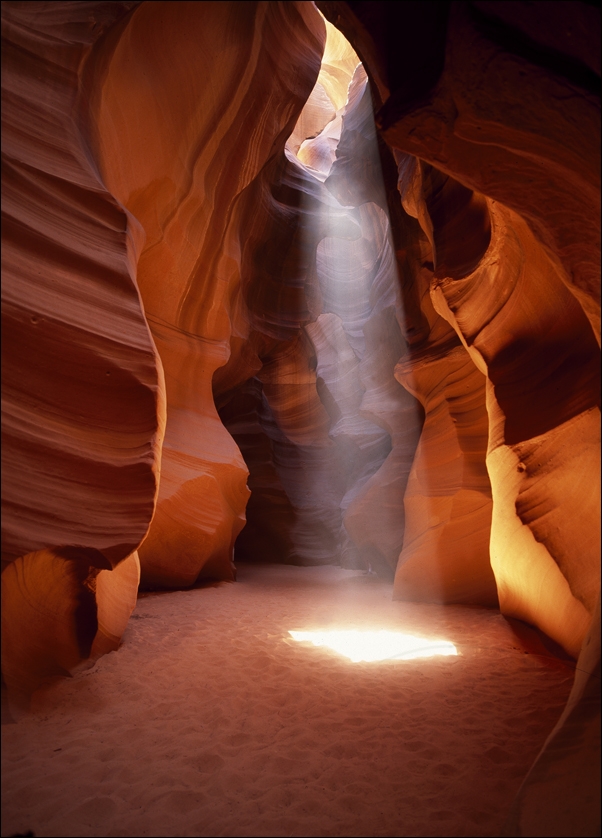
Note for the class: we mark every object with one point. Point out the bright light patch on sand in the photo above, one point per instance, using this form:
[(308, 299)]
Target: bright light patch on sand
[(376, 645)]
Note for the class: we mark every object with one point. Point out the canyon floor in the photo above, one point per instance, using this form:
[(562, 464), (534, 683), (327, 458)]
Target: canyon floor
[(211, 720)]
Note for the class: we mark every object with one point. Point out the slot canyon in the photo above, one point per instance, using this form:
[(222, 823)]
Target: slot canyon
[(301, 346)]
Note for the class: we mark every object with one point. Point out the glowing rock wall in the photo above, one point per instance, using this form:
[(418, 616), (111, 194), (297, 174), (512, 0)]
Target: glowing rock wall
[(178, 148), (518, 282)]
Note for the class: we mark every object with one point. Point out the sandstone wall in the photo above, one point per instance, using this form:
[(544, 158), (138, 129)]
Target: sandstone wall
[(122, 174), (178, 148), (82, 383)]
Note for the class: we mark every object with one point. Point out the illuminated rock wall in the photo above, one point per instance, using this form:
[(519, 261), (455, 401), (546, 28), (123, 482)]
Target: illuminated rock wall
[(178, 148), (518, 283)]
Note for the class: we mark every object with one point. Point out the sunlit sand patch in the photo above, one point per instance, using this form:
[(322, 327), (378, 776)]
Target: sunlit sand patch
[(376, 645)]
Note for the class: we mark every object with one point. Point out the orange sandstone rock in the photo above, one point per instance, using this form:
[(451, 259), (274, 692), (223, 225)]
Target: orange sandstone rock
[(81, 378), (521, 126), (445, 556), (542, 362), (83, 396), (59, 609), (177, 148), (115, 593)]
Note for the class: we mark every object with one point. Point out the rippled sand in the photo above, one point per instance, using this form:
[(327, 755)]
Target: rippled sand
[(211, 720)]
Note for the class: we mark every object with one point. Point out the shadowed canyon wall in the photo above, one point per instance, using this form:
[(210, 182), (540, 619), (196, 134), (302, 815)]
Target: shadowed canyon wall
[(229, 299)]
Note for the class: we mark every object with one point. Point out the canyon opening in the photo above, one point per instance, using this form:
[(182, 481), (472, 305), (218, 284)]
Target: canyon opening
[(301, 418)]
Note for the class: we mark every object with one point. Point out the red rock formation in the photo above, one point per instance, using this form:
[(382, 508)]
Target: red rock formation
[(561, 792), (178, 161), (271, 517), (542, 363), (445, 554), (81, 380), (48, 617), (497, 95), (480, 126), (59, 609), (82, 383), (115, 593)]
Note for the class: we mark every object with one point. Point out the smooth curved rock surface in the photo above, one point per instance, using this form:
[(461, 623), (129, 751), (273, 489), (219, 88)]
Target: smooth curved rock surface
[(48, 617), (448, 506), (115, 592), (500, 117), (542, 363), (169, 145), (81, 377), (83, 395), (524, 329), (59, 609), (568, 766)]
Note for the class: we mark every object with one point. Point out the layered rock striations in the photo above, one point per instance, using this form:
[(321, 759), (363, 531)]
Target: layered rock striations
[(448, 504), (83, 397), (161, 248), (542, 363), (81, 380), (178, 148)]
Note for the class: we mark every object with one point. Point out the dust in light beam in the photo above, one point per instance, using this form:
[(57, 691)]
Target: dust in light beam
[(376, 645)]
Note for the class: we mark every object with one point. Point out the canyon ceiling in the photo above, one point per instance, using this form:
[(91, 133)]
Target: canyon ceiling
[(357, 306)]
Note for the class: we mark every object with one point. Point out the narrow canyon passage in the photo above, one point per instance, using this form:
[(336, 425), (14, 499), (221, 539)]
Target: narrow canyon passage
[(306, 296), (211, 720)]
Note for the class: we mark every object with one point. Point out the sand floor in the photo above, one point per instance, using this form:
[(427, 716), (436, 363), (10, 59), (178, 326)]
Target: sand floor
[(210, 720)]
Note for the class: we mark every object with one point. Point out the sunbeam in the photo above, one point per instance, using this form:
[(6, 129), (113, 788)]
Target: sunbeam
[(358, 474)]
